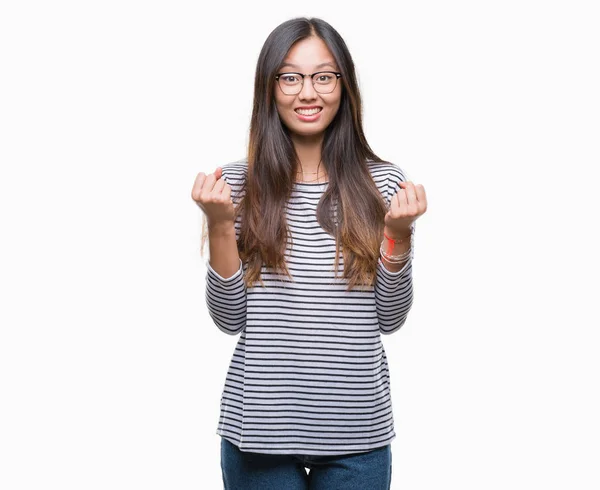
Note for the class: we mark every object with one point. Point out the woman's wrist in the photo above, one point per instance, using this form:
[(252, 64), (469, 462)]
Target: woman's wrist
[(400, 235), (396, 246)]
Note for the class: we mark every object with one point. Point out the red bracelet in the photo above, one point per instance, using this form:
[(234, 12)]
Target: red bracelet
[(391, 241)]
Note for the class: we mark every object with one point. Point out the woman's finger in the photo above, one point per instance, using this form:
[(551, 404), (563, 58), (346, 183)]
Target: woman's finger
[(209, 183), (400, 200), (219, 185), (197, 187), (421, 197), (411, 198), (227, 193)]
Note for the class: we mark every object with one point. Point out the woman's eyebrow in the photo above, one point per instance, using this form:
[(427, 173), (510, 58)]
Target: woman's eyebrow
[(318, 66)]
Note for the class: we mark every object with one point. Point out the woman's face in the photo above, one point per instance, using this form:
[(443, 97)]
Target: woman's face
[(309, 55)]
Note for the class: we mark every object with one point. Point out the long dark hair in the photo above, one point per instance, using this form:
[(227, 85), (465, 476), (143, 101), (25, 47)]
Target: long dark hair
[(272, 163)]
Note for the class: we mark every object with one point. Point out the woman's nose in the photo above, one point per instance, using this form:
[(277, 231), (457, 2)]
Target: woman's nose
[(308, 90)]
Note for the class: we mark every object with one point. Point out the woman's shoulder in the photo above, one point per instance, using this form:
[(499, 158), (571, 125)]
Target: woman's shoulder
[(384, 170), (235, 172), (387, 177)]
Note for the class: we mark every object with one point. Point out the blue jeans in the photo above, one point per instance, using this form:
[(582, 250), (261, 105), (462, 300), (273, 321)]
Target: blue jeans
[(243, 470)]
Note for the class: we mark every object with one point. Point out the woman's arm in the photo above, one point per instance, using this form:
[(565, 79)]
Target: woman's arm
[(225, 287), (394, 285), (222, 246), (399, 248), (394, 288), (226, 299)]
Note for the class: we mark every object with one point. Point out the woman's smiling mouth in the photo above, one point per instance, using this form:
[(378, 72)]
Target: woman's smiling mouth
[(308, 114)]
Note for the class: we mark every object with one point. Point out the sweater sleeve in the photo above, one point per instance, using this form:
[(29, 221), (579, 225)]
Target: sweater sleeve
[(226, 296), (226, 300), (394, 290)]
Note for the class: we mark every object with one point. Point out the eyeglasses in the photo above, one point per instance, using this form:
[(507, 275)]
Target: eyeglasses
[(292, 83)]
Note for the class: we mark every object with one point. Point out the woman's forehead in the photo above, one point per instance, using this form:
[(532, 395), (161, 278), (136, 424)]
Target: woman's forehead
[(309, 54), (325, 64)]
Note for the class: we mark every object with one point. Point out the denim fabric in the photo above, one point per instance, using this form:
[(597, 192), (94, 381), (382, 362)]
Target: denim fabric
[(243, 470)]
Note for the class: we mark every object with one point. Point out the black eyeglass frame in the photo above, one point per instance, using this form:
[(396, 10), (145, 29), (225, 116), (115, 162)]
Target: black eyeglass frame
[(337, 74)]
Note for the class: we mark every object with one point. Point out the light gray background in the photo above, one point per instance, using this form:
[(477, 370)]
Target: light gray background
[(111, 370)]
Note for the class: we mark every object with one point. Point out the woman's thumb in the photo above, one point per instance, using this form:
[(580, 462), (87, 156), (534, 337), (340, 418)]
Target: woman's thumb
[(218, 172)]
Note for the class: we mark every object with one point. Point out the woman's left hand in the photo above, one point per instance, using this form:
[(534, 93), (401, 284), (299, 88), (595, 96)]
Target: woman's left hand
[(406, 206)]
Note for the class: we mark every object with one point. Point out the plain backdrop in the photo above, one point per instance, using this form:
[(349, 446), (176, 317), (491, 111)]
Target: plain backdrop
[(111, 369)]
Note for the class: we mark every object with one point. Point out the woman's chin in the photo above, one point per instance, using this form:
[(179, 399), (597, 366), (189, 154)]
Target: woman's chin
[(303, 130)]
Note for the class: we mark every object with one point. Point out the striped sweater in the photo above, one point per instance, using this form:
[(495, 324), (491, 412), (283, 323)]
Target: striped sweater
[(309, 374)]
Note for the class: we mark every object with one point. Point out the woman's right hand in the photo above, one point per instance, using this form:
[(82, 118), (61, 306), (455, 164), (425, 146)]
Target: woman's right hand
[(213, 195)]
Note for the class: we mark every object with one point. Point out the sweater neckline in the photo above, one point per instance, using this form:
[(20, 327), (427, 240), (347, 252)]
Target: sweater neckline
[(310, 183)]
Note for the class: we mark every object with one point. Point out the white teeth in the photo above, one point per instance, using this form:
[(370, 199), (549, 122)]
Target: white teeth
[(308, 112)]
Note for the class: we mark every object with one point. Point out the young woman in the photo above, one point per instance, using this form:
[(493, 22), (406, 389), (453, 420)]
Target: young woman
[(311, 247)]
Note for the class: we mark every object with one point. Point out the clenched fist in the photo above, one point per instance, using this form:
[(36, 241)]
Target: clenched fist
[(406, 206), (213, 195)]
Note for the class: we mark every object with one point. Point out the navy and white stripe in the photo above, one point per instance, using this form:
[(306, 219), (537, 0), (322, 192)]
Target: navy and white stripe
[(309, 374)]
